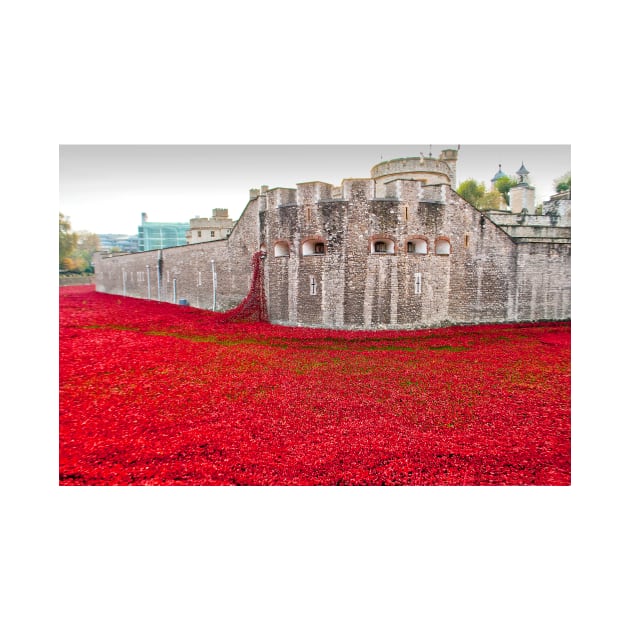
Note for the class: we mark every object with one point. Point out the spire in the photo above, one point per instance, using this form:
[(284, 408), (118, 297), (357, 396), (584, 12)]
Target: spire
[(522, 174)]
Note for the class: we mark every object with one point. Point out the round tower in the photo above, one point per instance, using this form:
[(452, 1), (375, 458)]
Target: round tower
[(428, 170)]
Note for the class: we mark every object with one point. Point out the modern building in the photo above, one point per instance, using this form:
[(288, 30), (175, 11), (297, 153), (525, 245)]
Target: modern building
[(120, 242), (154, 235)]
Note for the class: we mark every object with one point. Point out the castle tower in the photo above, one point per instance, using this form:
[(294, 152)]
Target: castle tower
[(428, 170), (522, 196), (450, 157)]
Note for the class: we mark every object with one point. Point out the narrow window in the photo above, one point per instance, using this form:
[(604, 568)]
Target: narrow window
[(199, 278), (199, 233), (417, 283), (406, 212), (313, 285), (466, 239), (411, 247), (307, 212)]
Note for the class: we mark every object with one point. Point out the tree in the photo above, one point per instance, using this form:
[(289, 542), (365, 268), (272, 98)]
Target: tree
[(67, 240), (563, 183), (76, 248), (503, 185), (87, 244), (491, 200), (472, 191)]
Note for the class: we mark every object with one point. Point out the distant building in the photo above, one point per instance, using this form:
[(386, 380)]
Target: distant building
[(160, 235), (121, 242), (217, 227)]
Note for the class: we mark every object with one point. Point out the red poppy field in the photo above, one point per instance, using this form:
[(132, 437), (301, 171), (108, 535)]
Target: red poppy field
[(155, 393)]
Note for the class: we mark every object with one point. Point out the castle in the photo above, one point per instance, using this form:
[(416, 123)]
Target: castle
[(397, 250)]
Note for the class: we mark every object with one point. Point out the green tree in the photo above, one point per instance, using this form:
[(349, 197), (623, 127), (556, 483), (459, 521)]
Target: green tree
[(503, 185), (491, 200), (67, 240), (563, 183), (472, 191)]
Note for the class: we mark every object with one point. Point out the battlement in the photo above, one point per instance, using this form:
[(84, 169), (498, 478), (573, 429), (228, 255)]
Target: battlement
[(312, 192)]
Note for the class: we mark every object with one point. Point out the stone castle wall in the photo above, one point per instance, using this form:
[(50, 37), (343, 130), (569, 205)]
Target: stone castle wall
[(464, 269), (186, 272)]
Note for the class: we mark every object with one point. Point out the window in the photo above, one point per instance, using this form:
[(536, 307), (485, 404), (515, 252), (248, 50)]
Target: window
[(313, 247), (466, 240), (382, 246), (442, 247), (281, 249), (211, 233), (313, 285), (199, 233), (417, 283), (417, 246)]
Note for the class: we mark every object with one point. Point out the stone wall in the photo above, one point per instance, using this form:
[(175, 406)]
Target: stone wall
[(324, 267), (66, 281), (186, 272)]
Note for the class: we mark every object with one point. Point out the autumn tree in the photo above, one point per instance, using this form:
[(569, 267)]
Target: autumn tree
[(75, 248), (67, 240)]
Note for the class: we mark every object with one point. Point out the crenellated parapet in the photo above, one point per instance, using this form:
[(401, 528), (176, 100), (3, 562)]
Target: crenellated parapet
[(312, 192)]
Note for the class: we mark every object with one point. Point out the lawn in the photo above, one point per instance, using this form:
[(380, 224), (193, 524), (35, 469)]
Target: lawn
[(153, 393)]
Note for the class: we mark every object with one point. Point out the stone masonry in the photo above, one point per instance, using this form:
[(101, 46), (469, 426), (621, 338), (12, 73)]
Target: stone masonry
[(391, 252)]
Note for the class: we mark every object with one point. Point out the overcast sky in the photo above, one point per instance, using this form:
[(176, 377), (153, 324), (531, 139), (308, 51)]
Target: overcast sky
[(106, 188)]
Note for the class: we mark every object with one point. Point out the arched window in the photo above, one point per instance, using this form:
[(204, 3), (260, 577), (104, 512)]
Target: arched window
[(442, 247), (313, 247), (281, 248), (417, 246), (383, 246)]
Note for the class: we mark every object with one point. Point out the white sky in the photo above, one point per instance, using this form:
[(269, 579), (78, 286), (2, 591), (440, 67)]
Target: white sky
[(105, 189)]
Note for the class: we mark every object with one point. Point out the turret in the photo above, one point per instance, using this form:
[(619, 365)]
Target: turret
[(522, 196)]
